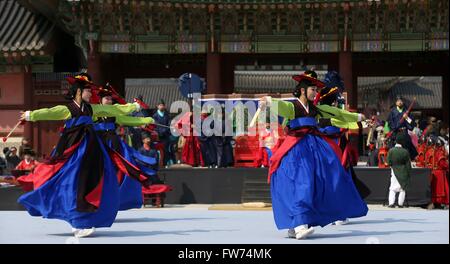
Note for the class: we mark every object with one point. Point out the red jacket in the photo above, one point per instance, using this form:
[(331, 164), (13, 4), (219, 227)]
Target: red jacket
[(23, 165)]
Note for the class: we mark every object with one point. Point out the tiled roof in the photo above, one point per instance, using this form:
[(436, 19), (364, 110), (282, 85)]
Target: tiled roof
[(249, 82), (22, 30), (381, 83), (153, 90), (427, 90)]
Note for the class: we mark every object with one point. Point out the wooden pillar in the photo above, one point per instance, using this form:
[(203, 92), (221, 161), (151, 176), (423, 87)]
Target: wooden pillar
[(445, 88), (346, 72), (445, 95), (227, 73), (28, 90), (94, 63), (333, 62), (213, 76)]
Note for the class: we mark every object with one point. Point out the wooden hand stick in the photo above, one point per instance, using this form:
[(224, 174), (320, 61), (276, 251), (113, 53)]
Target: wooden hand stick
[(12, 130), (156, 124)]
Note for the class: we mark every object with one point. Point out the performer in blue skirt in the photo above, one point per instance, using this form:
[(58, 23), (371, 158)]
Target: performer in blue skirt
[(78, 184), (309, 185), (125, 158)]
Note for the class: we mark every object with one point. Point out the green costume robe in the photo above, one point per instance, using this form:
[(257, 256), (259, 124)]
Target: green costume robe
[(398, 159), (61, 112)]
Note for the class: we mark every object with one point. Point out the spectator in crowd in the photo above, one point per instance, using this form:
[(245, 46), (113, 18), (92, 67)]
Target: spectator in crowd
[(12, 160), (26, 144), (175, 155), (438, 161), (147, 148), (423, 123), (414, 138), (162, 117), (372, 155), (431, 129), (2, 165), (400, 163), (188, 144), (443, 132), (400, 121), (223, 146), (416, 130), (443, 135), (439, 125), (28, 163), (207, 143)]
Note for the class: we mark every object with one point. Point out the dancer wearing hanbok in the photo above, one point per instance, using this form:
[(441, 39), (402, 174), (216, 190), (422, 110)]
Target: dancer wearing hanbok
[(129, 163), (78, 183), (309, 185)]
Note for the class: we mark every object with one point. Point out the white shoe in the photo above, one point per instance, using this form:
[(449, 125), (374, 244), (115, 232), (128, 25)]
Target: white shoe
[(84, 232), (303, 232), (291, 233), (342, 222)]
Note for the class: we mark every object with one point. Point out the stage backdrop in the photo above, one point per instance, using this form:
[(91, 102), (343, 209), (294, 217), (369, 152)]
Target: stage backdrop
[(230, 185), (236, 185)]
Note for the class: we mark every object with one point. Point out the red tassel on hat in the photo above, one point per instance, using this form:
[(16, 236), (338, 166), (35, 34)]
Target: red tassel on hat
[(142, 104), (317, 98), (95, 99)]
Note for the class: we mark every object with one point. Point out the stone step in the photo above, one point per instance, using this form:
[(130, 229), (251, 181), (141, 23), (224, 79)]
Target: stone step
[(251, 199)]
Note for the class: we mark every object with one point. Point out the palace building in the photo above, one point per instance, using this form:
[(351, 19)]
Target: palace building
[(380, 48)]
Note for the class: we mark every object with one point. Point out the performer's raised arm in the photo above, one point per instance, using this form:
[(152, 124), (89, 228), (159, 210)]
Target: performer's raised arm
[(344, 124), (134, 121), (340, 114), (114, 110), (59, 112), (280, 107)]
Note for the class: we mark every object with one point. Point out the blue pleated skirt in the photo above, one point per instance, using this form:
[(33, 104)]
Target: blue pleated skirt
[(57, 198), (312, 187), (130, 190)]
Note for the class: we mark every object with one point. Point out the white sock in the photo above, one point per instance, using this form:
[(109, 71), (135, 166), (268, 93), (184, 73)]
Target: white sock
[(401, 198), (300, 228), (391, 197)]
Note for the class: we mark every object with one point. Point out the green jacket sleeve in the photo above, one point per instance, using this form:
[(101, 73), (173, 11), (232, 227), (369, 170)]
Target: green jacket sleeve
[(344, 124), (133, 121), (340, 114), (283, 108), (113, 110), (59, 112)]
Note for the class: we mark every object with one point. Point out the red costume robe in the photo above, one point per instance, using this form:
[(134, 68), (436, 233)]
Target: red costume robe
[(191, 153), (23, 165), (420, 159), (439, 180)]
